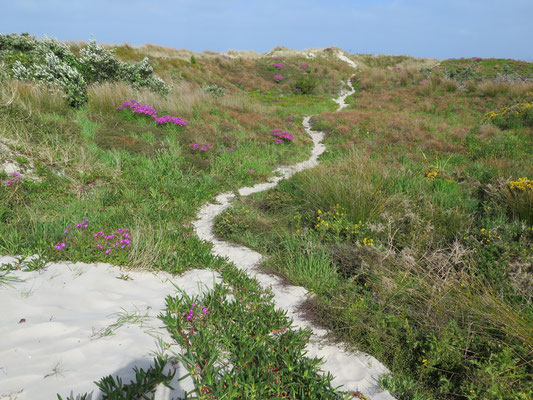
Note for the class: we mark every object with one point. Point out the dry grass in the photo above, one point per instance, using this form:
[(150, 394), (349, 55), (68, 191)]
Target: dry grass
[(32, 97), (104, 98)]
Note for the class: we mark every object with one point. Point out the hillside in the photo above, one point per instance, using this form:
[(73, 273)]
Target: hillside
[(411, 240)]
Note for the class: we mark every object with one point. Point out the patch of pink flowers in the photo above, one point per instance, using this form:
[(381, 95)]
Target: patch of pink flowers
[(278, 65), (303, 66), (137, 108), (278, 78), (200, 146), (396, 68), (281, 136), (107, 242), (423, 82), (168, 118), (14, 179)]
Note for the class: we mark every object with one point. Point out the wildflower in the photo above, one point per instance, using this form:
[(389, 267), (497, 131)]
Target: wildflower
[(15, 178), (204, 310), (303, 67), (522, 184), (251, 171), (423, 82), (137, 108), (278, 78), (278, 65)]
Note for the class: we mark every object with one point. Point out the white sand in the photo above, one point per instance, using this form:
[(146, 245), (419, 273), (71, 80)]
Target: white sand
[(66, 308), (352, 371)]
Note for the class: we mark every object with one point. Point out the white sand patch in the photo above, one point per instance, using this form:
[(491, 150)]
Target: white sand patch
[(74, 323), (342, 56), (353, 371)]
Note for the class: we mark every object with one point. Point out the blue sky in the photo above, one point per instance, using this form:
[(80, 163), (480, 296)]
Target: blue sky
[(430, 28)]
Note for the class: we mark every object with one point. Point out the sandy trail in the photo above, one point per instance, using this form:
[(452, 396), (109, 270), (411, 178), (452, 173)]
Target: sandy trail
[(353, 371)]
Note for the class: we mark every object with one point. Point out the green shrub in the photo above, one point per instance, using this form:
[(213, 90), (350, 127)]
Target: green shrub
[(214, 90), (514, 116), (467, 73), (306, 84)]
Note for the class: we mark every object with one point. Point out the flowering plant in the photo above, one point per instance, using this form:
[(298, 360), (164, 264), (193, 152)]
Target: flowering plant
[(137, 108), (281, 136), (278, 78)]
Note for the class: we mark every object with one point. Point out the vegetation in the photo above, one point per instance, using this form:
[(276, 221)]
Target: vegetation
[(419, 250)]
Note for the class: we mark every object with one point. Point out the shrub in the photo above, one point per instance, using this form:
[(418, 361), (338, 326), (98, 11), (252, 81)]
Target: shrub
[(462, 74), (514, 116), (49, 62), (55, 72), (305, 84), (516, 197), (214, 90)]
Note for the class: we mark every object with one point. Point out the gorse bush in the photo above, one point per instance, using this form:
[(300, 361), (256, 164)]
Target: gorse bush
[(514, 116), (51, 63)]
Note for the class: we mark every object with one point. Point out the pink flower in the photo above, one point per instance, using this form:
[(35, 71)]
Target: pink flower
[(278, 78), (423, 82)]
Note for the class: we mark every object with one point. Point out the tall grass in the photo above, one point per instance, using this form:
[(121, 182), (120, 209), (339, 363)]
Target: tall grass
[(355, 184), (32, 97)]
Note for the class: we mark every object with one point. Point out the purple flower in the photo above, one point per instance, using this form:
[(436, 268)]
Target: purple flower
[(137, 108), (15, 178), (278, 78), (423, 82), (303, 66), (278, 65), (251, 171), (281, 136)]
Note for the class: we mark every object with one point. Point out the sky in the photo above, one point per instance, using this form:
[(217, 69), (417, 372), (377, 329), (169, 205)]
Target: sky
[(420, 28)]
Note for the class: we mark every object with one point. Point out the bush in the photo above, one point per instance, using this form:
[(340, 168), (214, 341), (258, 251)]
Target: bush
[(514, 116), (306, 84), (214, 90), (50, 62), (467, 73)]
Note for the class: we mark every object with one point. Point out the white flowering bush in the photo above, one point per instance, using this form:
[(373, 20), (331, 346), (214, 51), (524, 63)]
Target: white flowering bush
[(55, 72), (50, 62), (102, 65)]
